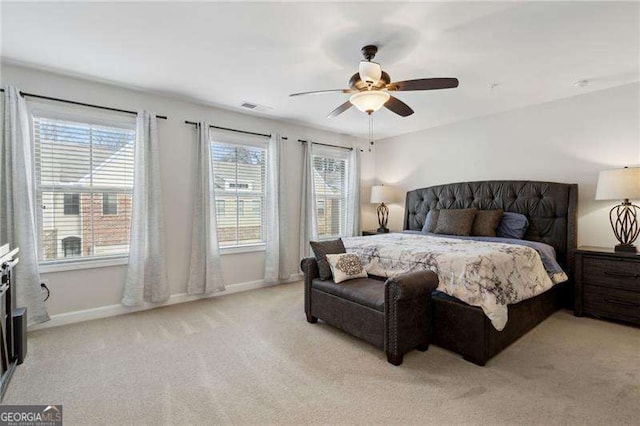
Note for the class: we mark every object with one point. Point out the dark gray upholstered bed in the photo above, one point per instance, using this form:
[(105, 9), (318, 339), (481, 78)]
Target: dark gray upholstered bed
[(551, 210)]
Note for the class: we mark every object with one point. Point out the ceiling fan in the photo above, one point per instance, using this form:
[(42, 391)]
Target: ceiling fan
[(370, 87)]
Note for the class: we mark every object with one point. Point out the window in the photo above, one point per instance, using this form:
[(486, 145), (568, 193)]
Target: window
[(330, 180), (71, 246), (238, 185), (84, 180), (71, 204), (109, 204), (239, 179), (220, 207)]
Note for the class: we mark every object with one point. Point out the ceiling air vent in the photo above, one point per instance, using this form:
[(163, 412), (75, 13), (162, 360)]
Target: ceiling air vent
[(255, 107)]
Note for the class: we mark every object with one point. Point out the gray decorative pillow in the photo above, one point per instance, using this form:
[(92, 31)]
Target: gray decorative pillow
[(321, 249), (346, 266), (512, 225), (455, 221), (431, 221), (486, 222)]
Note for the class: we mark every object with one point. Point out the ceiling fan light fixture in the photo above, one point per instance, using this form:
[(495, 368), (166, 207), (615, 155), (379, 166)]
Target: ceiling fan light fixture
[(370, 72), (370, 88), (369, 100)]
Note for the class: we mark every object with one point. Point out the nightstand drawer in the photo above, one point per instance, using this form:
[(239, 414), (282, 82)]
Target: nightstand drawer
[(614, 273), (612, 302)]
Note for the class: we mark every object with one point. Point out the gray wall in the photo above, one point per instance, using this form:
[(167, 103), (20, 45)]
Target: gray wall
[(91, 288), (569, 140)]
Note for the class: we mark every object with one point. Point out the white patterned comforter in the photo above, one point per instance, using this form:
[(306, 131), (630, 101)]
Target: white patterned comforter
[(484, 274)]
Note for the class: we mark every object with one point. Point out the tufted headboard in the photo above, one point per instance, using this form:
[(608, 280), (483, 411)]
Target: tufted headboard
[(550, 207)]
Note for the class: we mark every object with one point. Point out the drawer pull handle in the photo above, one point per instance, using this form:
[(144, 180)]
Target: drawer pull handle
[(621, 274), (622, 302)]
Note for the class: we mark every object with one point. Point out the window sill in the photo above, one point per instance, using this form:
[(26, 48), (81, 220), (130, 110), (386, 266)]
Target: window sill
[(329, 237), (72, 265), (242, 249)]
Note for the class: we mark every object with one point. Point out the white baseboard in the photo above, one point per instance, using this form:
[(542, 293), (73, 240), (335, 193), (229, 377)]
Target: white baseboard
[(113, 310)]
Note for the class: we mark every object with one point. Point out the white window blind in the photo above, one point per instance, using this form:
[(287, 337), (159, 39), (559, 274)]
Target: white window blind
[(330, 179), (84, 181), (239, 180)]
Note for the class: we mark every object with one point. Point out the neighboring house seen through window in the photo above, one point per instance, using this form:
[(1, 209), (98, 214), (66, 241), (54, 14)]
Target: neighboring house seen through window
[(84, 181), (239, 181)]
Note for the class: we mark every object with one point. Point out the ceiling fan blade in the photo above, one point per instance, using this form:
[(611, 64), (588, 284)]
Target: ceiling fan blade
[(399, 107), (342, 108), (424, 84), (319, 92)]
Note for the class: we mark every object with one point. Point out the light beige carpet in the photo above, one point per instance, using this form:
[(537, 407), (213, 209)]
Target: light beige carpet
[(252, 358)]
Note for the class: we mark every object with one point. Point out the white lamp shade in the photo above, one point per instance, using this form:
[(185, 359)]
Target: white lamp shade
[(369, 100), (619, 184), (370, 72), (381, 194)]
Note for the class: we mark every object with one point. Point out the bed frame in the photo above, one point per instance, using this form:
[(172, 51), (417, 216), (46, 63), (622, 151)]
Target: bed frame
[(551, 210)]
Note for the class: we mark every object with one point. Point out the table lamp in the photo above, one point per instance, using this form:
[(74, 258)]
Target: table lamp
[(622, 184), (380, 194)]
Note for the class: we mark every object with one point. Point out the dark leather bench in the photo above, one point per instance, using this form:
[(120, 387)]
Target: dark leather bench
[(392, 315)]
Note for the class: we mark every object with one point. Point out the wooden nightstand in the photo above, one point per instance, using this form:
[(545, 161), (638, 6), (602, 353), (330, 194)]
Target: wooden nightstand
[(607, 284), (373, 232)]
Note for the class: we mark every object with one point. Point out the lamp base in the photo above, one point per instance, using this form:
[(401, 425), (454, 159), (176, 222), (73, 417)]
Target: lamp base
[(625, 225), (383, 217), (626, 248)]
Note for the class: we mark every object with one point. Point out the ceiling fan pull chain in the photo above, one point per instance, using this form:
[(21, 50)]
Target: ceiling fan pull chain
[(370, 131)]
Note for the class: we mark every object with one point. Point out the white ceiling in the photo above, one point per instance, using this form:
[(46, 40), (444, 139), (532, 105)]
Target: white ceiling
[(223, 54)]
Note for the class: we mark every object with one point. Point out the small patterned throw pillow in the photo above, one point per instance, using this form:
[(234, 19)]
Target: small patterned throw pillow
[(345, 267)]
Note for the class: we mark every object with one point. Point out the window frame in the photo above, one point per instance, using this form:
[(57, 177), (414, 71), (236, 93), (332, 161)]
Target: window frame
[(75, 203), (97, 118), (105, 203), (250, 143), (221, 206), (339, 154), (74, 240)]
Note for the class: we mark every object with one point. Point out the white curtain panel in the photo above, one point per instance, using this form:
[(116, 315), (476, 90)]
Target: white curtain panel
[(308, 212), (353, 194), (276, 267), (18, 216), (146, 279), (205, 274)]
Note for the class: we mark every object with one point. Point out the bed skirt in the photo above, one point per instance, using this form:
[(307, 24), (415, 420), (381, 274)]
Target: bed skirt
[(466, 330)]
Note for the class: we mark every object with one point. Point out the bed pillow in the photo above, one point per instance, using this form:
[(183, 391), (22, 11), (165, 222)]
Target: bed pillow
[(512, 225), (321, 249), (346, 266), (486, 222), (431, 221), (455, 221)]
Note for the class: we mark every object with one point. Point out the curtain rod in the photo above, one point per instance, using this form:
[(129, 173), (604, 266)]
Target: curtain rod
[(194, 123), (66, 101), (326, 144)]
